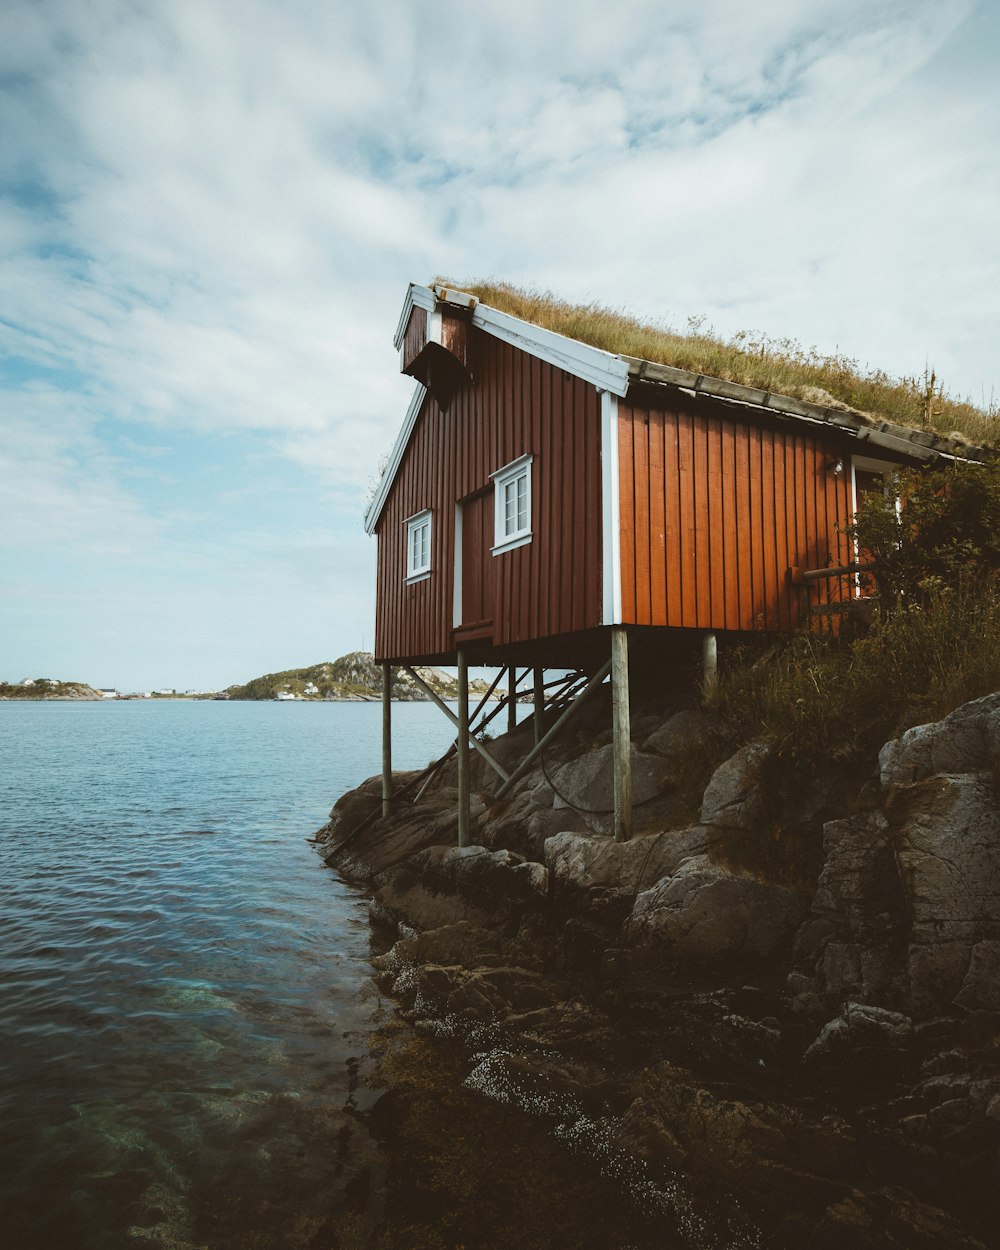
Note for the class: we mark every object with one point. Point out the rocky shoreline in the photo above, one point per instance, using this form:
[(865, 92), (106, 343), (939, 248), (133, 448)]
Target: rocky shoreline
[(778, 1022)]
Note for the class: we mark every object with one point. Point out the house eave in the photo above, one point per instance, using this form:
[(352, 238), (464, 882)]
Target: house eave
[(921, 445), (395, 460)]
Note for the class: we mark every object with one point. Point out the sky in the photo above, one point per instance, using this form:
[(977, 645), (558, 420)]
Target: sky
[(210, 211)]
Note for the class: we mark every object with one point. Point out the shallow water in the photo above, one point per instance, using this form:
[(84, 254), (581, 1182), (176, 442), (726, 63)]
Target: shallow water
[(183, 985)]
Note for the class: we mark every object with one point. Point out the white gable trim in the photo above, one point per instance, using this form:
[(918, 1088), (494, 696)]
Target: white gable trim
[(395, 459), (416, 297), (610, 513), (600, 368)]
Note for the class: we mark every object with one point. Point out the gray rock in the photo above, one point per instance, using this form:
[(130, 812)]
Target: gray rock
[(680, 733), (966, 741), (707, 913), (589, 866), (735, 797), (859, 1030), (853, 943), (948, 840), (586, 784)]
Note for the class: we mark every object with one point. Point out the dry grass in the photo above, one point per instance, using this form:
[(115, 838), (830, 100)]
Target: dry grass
[(751, 359)]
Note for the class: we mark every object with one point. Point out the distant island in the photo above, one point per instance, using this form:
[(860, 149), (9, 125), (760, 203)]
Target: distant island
[(354, 678), (48, 688)]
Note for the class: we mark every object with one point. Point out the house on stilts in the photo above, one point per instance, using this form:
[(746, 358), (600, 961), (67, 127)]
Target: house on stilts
[(552, 506)]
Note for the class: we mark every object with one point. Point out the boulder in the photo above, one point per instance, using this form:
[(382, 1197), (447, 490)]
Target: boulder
[(709, 914), (947, 836), (442, 885), (593, 871), (853, 943), (736, 797), (861, 1034), (681, 733), (586, 785), (965, 741)]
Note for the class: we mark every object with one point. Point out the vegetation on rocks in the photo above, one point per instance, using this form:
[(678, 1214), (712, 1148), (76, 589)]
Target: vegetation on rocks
[(355, 676), (780, 365), (47, 688)]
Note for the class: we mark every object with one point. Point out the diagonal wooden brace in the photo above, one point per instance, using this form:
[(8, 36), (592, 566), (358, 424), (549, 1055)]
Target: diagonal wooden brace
[(473, 740), (535, 751)]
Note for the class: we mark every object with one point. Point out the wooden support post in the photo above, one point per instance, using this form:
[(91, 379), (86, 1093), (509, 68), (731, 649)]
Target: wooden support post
[(386, 740), (539, 703), (709, 664), (621, 734), (463, 749), (511, 699)]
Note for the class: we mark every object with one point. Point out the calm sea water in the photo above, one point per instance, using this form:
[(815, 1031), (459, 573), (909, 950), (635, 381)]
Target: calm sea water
[(183, 985)]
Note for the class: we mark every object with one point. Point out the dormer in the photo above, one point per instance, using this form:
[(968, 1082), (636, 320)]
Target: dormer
[(433, 339)]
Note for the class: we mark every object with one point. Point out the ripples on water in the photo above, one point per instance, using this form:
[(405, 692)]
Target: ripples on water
[(182, 984)]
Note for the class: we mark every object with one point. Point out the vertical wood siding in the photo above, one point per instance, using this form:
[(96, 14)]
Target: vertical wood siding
[(415, 338), (715, 510), (455, 335), (547, 587)]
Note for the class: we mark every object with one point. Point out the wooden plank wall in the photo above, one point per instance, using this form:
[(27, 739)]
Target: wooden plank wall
[(714, 511), (551, 585), (415, 338)]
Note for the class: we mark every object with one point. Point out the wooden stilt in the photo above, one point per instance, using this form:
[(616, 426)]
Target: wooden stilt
[(539, 704), (709, 664), (463, 749), (386, 740), (511, 699), (621, 734)]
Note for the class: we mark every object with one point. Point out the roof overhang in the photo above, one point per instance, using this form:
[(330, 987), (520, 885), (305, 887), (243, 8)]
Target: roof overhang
[(920, 445), (395, 460)]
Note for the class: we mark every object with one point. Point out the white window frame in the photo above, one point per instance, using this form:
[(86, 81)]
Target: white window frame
[(505, 539), (869, 464), (418, 569)]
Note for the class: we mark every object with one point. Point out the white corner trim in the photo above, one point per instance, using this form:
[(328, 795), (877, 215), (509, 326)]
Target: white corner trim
[(610, 512), (456, 607), (598, 367), (395, 459)]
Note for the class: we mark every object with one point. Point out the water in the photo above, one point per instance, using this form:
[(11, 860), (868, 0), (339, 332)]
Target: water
[(183, 994)]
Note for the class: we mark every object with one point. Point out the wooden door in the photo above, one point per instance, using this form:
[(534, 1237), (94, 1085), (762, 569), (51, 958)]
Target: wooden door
[(477, 566)]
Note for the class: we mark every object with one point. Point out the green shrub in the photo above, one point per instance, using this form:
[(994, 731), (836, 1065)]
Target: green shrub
[(823, 698), (947, 526)]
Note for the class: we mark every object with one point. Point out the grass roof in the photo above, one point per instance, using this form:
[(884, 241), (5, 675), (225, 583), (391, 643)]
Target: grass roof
[(782, 366)]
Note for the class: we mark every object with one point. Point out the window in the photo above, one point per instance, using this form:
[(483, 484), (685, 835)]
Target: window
[(512, 505), (418, 546)]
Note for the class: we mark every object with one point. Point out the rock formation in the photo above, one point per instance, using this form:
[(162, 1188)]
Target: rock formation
[(793, 1006)]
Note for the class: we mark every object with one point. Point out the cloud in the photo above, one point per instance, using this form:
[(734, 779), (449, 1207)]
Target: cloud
[(209, 212)]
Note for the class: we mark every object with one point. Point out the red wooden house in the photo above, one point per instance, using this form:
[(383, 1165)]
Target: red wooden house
[(544, 495)]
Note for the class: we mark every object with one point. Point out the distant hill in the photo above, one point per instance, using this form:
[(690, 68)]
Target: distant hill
[(354, 677), (47, 688)]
